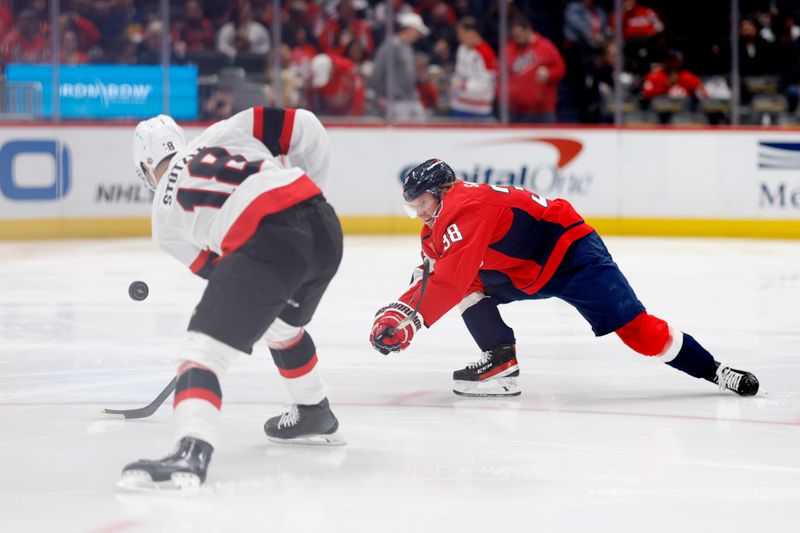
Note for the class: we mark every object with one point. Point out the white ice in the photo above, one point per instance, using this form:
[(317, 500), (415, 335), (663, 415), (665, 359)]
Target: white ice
[(600, 440)]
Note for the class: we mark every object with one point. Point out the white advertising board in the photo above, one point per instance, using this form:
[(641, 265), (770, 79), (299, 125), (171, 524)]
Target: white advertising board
[(86, 171)]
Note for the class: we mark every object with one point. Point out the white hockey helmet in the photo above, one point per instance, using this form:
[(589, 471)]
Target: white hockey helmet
[(154, 140)]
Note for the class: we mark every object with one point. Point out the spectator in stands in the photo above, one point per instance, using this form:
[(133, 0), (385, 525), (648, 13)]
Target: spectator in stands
[(601, 86), (474, 82), (638, 22), (28, 42), (442, 41), (426, 84), (310, 15), (340, 30), (86, 32), (755, 57), (790, 87), (149, 50), (534, 69), (298, 29), (787, 59), (302, 51), (443, 55), (754, 51), (642, 31), (672, 81), (243, 34), (337, 87), (585, 34), (786, 50), (6, 16), (355, 53), (772, 22), (380, 14), (442, 23), (585, 30), (115, 18), (292, 80), (70, 54), (193, 32), (121, 51), (405, 103)]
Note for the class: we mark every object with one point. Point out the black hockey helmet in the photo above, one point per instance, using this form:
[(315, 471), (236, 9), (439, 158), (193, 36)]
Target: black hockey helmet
[(427, 177)]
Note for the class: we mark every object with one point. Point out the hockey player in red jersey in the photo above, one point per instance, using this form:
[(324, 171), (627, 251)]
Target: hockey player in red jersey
[(231, 207), (492, 245)]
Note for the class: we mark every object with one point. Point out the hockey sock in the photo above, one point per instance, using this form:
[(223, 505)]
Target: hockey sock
[(297, 364), (486, 326), (694, 359), (198, 400), (198, 396)]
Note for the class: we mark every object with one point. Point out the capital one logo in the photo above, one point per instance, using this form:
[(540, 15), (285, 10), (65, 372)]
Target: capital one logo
[(16, 155), (539, 172)]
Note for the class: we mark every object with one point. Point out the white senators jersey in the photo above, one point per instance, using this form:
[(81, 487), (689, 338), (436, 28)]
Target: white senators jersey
[(216, 190)]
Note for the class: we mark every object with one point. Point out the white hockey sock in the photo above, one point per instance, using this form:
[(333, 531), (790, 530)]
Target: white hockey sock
[(307, 389)]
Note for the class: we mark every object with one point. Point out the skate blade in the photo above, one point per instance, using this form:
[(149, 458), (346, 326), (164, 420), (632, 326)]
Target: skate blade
[(179, 484), (333, 439), (491, 388)]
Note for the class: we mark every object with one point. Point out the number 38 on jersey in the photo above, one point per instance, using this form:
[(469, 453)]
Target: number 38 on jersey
[(451, 234)]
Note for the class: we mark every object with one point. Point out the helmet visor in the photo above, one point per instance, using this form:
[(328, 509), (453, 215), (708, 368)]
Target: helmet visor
[(424, 204)]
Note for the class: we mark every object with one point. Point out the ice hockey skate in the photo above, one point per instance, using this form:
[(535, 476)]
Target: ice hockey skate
[(739, 381), (495, 374), (305, 424), (182, 471)]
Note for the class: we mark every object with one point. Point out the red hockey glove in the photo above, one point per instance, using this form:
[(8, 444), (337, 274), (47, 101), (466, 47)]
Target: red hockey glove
[(392, 331)]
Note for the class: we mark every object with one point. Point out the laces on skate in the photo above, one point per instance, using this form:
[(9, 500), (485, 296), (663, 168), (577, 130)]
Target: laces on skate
[(290, 417)]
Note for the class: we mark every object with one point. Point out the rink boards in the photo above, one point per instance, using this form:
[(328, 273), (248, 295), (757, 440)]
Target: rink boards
[(78, 180)]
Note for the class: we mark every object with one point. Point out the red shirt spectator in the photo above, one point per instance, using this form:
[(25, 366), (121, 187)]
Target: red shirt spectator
[(638, 22), (70, 52), (337, 87), (193, 33), (27, 43), (337, 32), (6, 16), (678, 84), (535, 68), (86, 31)]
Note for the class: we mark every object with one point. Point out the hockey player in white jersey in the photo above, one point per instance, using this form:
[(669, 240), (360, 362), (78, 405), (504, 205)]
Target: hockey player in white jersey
[(241, 205)]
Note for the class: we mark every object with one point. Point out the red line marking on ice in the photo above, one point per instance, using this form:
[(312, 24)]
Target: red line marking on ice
[(115, 528), (795, 422), (401, 400)]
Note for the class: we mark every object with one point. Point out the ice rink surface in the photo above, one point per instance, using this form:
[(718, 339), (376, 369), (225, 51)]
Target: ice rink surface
[(600, 440)]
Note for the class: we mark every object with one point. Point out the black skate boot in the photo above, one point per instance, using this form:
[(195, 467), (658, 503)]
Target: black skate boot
[(305, 424), (495, 374), (184, 470), (739, 381)]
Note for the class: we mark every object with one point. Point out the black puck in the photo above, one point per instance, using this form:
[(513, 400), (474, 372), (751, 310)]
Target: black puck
[(138, 290)]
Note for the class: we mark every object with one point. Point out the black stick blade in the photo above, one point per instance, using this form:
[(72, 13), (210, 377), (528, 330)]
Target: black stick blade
[(144, 412)]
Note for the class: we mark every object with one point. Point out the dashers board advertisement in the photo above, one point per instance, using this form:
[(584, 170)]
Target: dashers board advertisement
[(86, 171)]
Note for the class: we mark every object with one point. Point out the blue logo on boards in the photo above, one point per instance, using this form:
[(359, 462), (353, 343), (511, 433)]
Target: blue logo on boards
[(779, 155), (103, 91), (58, 183)]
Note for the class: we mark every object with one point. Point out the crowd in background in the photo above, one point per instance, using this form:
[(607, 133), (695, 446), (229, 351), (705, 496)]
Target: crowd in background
[(442, 59)]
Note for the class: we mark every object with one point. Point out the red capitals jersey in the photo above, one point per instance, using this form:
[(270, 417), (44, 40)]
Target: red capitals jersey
[(487, 227)]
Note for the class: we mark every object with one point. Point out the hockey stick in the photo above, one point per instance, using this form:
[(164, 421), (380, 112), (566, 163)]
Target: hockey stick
[(147, 410), (426, 270)]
